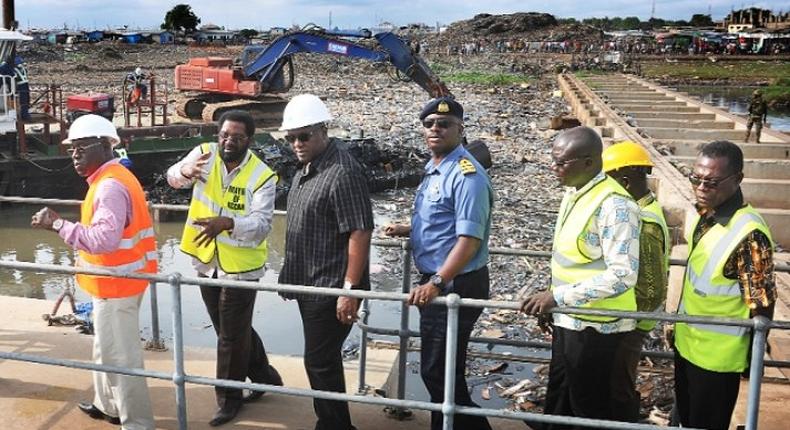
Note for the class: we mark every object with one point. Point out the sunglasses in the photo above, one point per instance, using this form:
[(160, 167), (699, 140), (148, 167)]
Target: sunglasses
[(563, 163), (72, 149), (234, 138), (441, 123), (708, 183), (302, 137)]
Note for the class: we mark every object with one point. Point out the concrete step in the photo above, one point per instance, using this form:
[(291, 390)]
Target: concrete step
[(621, 90), (767, 193), (686, 133), (687, 147), (673, 115), (635, 95), (685, 123), (657, 108), (753, 168), (635, 102), (778, 220)]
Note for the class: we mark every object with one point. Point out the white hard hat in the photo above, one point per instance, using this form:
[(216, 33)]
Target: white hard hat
[(92, 126), (304, 110), (138, 71)]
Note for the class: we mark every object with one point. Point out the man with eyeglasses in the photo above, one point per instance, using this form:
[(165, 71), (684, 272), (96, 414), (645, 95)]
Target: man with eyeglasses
[(729, 274), (327, 243), (449, 234), (594, 265), (115, 232), (229, 217)]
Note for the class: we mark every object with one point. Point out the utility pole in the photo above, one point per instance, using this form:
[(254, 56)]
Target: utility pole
[(653, 10), (330, 19)]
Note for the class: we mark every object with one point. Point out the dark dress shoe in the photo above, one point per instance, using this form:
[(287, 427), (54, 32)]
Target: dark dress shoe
[(97, 414), (273, 378), (224, 414)]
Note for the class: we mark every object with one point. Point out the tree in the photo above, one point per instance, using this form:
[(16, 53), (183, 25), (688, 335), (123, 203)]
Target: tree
[(631, 23), (181, 18), (248, 33), (701, 20)]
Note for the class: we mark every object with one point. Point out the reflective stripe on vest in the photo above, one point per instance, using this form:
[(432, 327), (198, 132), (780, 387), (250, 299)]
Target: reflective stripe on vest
[(131, 242), (731, 330), (21, 73), (211, 199), (136, 252), (653, 213), (704, 288), (569, 265), (707, 292)]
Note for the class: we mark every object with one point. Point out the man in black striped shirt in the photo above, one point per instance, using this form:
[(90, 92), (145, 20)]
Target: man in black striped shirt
[(327, 241)]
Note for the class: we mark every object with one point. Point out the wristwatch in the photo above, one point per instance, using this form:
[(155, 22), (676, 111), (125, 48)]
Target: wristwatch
[(349, 286), (57, 224), (438, 281)]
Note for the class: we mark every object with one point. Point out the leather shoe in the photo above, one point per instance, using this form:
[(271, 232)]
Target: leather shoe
[(224, 414), (95, 413), (274, 378)]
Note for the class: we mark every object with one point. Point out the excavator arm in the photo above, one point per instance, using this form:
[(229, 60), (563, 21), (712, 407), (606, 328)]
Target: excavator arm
[(265, 64)]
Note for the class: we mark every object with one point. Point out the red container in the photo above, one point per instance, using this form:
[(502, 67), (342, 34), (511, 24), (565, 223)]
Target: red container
[(93, 102)]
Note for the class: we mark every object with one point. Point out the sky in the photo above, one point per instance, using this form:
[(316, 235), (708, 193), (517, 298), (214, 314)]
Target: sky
[(264, 14)]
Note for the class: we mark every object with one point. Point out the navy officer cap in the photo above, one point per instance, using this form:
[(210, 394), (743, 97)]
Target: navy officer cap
[(443, 106)]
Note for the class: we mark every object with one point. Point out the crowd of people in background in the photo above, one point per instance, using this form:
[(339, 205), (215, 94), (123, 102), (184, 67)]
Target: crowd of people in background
[(645, 46)]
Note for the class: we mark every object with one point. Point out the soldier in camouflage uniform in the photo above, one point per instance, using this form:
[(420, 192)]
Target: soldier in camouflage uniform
[(758, 111)]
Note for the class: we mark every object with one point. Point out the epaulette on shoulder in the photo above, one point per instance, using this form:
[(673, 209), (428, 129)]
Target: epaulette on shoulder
[(467, 167)]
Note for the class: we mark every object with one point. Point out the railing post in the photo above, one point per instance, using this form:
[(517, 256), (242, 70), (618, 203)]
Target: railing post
[(756, 371), (403, 334), (451, 352), (363, 348), (178, 352), (156, 342)]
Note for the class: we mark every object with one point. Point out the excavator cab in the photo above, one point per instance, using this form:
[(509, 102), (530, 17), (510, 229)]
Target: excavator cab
[(8, 84)]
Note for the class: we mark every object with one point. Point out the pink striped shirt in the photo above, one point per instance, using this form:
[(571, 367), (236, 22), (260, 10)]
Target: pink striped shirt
[(112, 210)]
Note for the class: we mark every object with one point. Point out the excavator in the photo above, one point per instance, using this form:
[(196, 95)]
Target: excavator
[(252, 81)]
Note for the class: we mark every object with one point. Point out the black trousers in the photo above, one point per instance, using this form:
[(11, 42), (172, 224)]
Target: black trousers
[(704, 399), (580, 375), (625, 398), (240, 351), (323, 342), (433, 336)]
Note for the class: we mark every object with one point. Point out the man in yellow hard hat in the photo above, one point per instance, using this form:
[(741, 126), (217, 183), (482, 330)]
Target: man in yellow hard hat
[(629, 164)]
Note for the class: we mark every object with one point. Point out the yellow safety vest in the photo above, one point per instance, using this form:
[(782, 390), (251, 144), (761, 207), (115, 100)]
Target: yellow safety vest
[(707, 292), (210, 199), (652, 213), (569, 265)]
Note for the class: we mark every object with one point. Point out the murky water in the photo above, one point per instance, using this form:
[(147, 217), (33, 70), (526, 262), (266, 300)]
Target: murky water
[(736, 100), (272, 314)]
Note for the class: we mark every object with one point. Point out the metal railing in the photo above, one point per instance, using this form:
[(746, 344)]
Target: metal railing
[(453, 302)]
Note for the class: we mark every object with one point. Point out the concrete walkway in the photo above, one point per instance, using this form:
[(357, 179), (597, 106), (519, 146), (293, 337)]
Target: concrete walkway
[(39, 397)]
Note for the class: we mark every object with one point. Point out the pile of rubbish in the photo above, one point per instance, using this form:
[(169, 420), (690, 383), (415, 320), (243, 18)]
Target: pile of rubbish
[(532, 26), (485, 24)]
